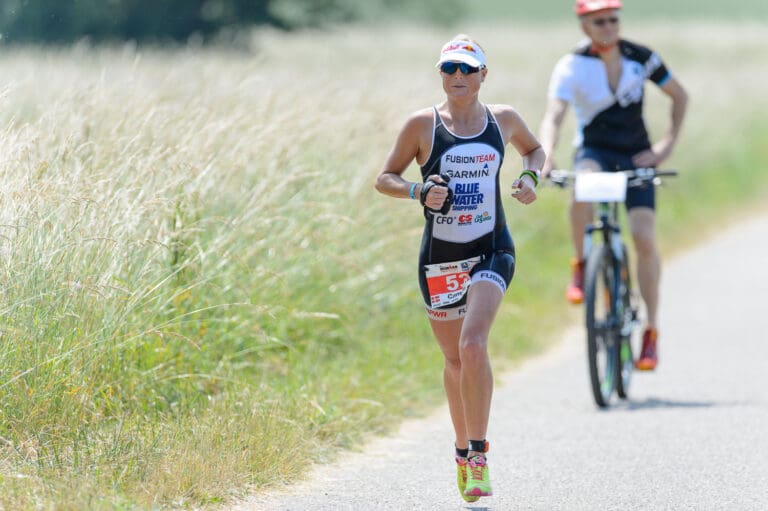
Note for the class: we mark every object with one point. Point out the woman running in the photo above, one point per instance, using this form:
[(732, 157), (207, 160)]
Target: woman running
[(467, 256)]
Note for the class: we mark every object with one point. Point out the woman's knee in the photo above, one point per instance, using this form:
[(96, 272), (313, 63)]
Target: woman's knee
[(473, 346), (453, 365)]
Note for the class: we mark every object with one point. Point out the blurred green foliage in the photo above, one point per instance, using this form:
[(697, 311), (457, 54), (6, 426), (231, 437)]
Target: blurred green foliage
[(555, 10), (61, 21)]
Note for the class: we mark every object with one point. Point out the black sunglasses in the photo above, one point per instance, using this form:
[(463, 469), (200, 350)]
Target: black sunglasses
[(599, 22), (450, 67)]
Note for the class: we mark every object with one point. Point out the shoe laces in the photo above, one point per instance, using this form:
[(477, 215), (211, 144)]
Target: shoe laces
[(476, 466)]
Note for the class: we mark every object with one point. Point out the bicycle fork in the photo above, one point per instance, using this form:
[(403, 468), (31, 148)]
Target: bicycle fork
[(612, 238)]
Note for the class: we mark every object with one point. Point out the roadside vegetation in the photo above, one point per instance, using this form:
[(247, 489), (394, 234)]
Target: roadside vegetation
[(201, 292)]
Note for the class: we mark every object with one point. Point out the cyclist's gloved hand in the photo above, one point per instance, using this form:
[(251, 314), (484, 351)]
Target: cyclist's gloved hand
[(428, 185)]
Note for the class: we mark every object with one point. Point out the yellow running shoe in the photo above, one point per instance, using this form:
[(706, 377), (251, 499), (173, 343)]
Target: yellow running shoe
[(478, 483), (461, 479)]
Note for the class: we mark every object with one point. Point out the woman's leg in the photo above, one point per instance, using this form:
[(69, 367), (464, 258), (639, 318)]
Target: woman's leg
[(447, 334), (483, 302)]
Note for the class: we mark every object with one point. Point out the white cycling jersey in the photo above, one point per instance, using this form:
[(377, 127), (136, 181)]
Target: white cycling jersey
[(608, 119)]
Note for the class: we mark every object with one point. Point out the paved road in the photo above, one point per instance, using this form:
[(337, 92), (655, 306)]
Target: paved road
[(694, 435)]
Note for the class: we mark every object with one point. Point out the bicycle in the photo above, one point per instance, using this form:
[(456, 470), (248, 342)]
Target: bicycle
[(611, 312)]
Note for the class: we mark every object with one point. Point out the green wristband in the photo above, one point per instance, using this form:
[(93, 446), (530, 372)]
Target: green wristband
[(532, 175)]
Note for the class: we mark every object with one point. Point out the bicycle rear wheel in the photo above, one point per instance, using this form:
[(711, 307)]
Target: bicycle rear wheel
[(627, 314), (602, 341)]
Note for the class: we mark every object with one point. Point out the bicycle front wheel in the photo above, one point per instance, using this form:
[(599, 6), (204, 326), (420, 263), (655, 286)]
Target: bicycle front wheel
[(627, 314), (602, 341)]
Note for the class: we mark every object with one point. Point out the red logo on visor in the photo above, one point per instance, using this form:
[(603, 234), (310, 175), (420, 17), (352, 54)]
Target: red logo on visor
[(460, 46)]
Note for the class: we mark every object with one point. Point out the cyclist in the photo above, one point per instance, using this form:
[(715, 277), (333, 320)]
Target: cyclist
[(604, 79), (467, 256)]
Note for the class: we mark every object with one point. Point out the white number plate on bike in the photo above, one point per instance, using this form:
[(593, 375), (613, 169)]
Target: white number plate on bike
[(448, 282), (600, 187)]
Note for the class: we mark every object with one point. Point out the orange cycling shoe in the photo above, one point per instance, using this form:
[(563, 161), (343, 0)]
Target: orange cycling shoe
[(648, 355), (575, 291)]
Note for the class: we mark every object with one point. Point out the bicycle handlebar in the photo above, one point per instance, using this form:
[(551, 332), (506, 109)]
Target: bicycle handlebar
[(635, 177)]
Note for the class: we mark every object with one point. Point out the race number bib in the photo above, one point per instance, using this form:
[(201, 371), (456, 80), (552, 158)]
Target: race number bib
[(448, 282), (600, 187)]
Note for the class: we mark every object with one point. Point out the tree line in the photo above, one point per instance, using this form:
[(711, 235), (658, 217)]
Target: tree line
[(63, 21)]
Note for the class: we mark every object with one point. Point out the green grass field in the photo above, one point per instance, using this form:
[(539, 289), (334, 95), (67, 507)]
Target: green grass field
[(201, 291)]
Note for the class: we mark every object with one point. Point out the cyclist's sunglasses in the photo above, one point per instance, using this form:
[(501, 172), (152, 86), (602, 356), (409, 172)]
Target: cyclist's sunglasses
[(599, 22), (450, 67)]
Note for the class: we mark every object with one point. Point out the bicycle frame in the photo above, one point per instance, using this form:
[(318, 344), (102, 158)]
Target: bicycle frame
[(607, 224)]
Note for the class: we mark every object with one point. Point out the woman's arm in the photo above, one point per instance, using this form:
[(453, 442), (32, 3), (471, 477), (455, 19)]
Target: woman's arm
[(413, 142), (408, 146), (516, 132)]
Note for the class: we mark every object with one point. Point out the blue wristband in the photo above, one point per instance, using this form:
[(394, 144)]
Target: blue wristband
[(412, 193)]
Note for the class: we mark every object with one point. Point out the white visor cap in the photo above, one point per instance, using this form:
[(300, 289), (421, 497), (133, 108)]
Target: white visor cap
[(462, 51)]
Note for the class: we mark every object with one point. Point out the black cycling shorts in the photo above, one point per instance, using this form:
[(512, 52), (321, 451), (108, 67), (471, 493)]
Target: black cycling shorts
[(445, 277)]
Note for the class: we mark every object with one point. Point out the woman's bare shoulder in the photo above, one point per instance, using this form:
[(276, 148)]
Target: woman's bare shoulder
[(506, 112), (420, 120), (425, 116), (510, 122)]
